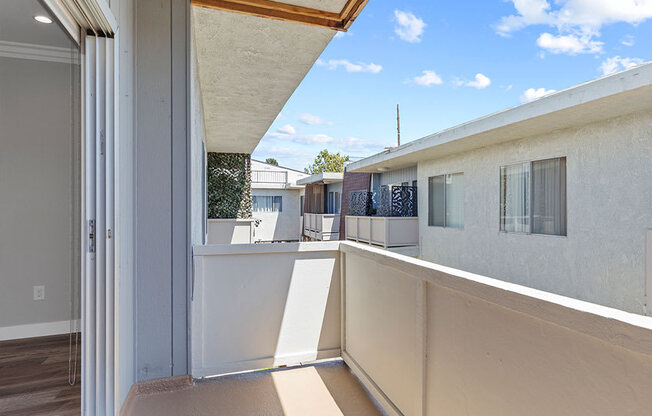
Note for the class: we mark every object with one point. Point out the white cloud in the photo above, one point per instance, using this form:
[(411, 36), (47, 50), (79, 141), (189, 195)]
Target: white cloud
[(349, 66), (301, 138), (616, 63), (287, 129), (457, 81), (428, 79), (313, 120), (408, 27), (530, 12), (283, 151), (341, 34), (589, 14), (577, 21), (534, 94), (481, 82), (571, 44), (628, 40), (348, 144)]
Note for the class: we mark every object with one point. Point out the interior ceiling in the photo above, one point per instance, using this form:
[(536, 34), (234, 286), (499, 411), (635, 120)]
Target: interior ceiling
[(249, 66), (17, 24)]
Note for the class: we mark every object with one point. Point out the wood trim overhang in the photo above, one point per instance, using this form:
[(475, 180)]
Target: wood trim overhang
[(288, 12)]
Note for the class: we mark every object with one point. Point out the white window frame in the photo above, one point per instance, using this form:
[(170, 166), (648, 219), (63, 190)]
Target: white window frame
[(273, 198), (531, 197), (430, 205)]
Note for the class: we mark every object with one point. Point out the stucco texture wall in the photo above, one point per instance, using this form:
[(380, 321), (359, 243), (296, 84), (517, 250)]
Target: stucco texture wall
[(279, 226), (609, 207)]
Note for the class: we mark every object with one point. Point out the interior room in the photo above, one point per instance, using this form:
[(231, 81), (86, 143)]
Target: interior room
[(40, 214)]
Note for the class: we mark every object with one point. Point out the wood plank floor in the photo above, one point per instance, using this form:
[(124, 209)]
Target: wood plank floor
[(34, 377)]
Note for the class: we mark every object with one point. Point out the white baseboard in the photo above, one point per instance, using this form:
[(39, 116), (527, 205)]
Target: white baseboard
[(36, 330)]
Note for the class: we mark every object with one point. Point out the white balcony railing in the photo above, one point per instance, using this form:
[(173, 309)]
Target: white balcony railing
[(383, 231), (424, 339), (230, 231), (269, 176), (321, 227)]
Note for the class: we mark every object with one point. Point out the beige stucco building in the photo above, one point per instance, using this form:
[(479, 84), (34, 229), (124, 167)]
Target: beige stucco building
[(586, 236)]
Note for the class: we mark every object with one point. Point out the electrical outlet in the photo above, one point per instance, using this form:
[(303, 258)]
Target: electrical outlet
[(39, 292)]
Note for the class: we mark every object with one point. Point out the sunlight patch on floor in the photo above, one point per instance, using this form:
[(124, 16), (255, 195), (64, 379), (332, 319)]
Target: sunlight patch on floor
[(303, 392)]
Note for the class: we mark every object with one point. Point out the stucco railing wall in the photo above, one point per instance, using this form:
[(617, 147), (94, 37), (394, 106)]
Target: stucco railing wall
[(230, 231), (262, 305), (321, 226), (383, 231), (269, 176), (431, 340)]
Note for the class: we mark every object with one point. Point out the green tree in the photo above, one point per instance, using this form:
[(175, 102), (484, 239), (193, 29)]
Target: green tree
[(327, 162), (271, 161)]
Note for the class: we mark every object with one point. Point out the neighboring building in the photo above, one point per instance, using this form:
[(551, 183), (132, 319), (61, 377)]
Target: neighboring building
[(276, 199), (554, 194), (384, 214), (322, 206)]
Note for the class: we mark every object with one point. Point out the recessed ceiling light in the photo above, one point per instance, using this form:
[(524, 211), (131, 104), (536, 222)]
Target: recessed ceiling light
[(42, 19)]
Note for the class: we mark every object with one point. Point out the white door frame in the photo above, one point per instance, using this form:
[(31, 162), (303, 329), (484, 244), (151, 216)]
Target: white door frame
[(98, 300), (99, 72)]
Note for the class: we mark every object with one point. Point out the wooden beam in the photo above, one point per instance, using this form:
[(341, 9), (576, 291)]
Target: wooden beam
[(351, 11), (288, 12)]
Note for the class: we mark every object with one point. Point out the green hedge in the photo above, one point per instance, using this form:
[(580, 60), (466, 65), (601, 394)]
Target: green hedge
[(229, 185)]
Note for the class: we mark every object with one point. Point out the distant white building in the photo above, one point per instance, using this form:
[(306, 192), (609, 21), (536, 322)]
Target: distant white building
[(321, 221), (276, 201)]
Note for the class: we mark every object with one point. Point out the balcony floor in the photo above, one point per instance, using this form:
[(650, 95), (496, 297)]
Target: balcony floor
[(321, 389)]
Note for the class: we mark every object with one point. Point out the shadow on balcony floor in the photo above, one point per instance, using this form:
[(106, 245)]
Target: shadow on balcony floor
[(321, 389)]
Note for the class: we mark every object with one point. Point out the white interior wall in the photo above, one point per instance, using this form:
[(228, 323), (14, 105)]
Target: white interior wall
[(602, 260), (39, 195)]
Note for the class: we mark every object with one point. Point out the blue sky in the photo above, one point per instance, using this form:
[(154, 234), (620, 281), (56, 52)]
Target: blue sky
[(447, 62)]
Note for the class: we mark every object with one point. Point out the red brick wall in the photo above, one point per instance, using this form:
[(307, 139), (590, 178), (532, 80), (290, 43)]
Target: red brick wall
[(352, 182)]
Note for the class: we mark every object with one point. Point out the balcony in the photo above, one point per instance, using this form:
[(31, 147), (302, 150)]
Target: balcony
[(395, 223), (321, 227), (386, 232), (423, 339), (269, 176)]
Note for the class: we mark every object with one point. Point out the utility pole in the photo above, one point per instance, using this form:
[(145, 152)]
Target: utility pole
[(398, 125)]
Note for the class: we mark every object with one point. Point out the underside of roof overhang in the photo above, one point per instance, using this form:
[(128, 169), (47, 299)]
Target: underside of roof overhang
[(337, 15), (250, 57)]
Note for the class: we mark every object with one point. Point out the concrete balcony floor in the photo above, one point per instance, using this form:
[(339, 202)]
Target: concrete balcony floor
[(320, 389)]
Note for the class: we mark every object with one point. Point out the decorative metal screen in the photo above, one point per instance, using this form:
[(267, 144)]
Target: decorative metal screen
[(397, 201), (404, 201), (383, 202), (360, 204)]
